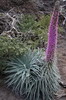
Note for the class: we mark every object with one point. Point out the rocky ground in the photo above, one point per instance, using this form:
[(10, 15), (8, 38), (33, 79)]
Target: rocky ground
[(62, 64)]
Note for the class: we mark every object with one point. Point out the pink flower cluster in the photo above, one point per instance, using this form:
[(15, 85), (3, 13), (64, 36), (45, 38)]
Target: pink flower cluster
[(52, 35)]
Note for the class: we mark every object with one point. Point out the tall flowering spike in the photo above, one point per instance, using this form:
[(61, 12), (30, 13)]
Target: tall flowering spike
[(52, 34)]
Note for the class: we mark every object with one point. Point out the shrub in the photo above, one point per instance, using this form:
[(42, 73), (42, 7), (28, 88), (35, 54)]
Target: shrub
[(26, 23), (29, 22), (32, 29), (9, 48), (61, 29)]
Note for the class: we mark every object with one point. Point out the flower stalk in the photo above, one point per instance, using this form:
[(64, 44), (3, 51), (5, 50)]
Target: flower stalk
[(52, 34)]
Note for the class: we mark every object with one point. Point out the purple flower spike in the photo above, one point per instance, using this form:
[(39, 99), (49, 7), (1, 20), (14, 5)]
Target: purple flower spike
[(52, 34)]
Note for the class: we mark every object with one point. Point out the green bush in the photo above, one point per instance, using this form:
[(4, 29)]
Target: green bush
[(9, 48), (60, 29), (35, 32), (41, 27), (26, 23)]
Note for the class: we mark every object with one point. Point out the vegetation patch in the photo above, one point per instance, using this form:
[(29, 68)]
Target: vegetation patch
[(34, 35), (9, 48), (34, 31)]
